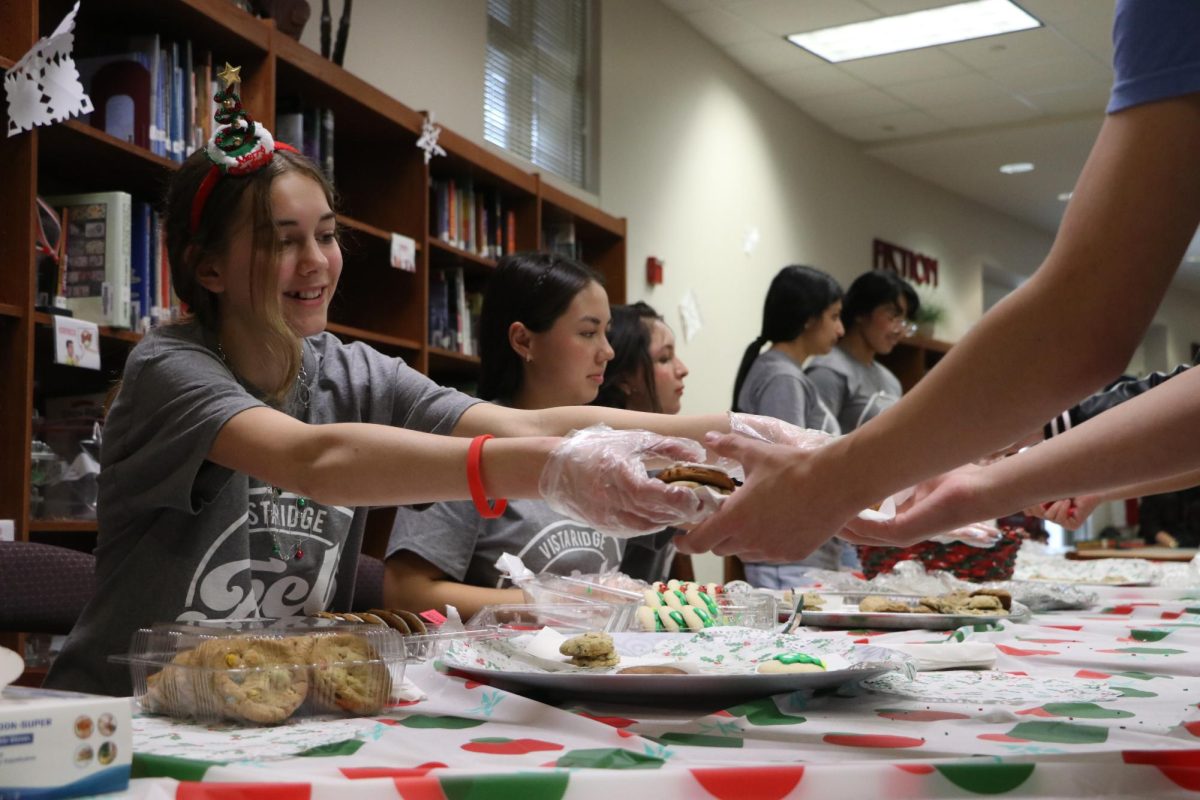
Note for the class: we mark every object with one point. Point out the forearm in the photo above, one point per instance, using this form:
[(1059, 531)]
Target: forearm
[(1105, 275), (560, 421), (1174, 483), (1149, 442)]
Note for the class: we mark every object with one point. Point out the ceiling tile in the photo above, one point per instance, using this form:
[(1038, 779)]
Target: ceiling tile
[(981, 113), (1052, 12), (775, 54), (1021, 47), (687, 6), (818, 81), (847, 105), (1072, 71), (1071, 100), (890, 8), (947, 91), (782, 17), (1092, 33), (722, 27), (888, 126), (913, 65)]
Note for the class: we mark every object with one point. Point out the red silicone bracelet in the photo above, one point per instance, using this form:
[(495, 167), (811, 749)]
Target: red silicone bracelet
[(475, 481)]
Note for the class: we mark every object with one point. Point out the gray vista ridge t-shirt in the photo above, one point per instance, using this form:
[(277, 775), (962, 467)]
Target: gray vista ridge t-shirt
[(855, 392), (181, 538)]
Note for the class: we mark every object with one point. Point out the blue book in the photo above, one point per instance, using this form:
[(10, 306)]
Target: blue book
[(140, 261)]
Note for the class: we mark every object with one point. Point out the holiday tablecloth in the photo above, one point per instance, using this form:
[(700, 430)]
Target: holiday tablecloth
[(1081, 703)]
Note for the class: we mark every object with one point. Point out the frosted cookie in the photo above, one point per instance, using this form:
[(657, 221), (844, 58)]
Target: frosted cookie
[(348, 675), (256, 680), (675, 598), (652, 598), (697, 619), (648, 620), (699, 599), (792, 662), (672, 620)]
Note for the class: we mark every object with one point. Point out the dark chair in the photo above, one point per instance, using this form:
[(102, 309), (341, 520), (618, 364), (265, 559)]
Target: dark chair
[(368, 584), (43, 587)]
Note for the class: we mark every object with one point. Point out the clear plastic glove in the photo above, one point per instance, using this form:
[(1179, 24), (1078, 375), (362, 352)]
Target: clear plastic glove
[(599, 476), (776, 431), (981, 534)]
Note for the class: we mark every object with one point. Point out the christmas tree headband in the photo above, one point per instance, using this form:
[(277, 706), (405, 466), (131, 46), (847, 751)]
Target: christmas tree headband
[(239, 146)]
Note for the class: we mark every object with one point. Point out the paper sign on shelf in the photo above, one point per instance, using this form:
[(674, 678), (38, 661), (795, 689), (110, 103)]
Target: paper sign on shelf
[(404, 253), (76, 342)]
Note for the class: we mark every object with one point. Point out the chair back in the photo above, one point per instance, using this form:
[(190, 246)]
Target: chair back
[(43, 587)]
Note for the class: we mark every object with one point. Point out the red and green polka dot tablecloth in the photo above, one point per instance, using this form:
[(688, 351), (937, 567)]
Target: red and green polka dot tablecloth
[(1104, 702)]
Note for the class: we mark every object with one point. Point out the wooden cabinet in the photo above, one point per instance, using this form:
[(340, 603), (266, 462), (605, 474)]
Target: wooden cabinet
[(383, 182), (913, 357)]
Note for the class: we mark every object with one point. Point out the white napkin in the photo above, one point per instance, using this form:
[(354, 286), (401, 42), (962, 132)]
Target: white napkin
[(11, 667), (956, 655)]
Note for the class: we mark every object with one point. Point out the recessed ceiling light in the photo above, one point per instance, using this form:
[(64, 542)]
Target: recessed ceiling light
[(1016, 168), (929, 28), (1065, 196)]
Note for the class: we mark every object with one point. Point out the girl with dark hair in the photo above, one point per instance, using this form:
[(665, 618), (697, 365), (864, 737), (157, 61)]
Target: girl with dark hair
[(646, 374), (542, 344), (877, 313), (801, 318)]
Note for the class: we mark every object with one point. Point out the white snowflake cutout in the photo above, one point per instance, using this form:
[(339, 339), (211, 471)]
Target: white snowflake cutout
[(43, 87), (429, 136)]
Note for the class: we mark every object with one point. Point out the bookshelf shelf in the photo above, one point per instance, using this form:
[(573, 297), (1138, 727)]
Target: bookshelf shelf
[(371, 337), (74, 157), (133, 337), (11, 310), (368, 230), (444, 252), (62, 526), (453, 357)]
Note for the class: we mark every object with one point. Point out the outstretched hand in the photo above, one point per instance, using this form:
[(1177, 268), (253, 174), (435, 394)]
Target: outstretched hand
[(938, 505), (783, 512), (598, 475), (1070, 512)]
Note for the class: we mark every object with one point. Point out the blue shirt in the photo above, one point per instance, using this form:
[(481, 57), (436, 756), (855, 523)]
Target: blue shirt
[(1157, 51)]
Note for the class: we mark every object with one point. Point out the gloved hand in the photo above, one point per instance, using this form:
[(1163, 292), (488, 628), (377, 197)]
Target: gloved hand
[(979, 534), (776, 431), (598, 475)]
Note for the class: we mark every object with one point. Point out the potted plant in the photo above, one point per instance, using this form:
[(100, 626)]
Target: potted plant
[(927, 317)]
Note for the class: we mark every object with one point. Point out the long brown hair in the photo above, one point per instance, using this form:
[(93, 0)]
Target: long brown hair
[(248, 195)]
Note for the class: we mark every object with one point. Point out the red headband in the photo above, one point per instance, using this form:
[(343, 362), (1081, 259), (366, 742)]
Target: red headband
[(215, 172)]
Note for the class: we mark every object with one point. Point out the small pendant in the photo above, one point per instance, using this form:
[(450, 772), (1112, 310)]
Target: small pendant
[(299, 552), (301, 501)]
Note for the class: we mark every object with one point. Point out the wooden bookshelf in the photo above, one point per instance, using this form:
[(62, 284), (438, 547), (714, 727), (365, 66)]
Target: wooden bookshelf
[(914, 357), (383, 182)]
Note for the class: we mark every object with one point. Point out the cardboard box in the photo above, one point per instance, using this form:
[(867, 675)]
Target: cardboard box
[(63, 744)]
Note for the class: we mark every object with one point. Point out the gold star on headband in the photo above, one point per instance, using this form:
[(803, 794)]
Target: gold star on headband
[(230, 75)]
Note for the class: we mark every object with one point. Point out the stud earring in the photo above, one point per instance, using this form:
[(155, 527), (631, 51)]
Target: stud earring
[(528, 358)]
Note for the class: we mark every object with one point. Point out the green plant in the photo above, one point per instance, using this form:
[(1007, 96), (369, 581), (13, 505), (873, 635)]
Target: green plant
[(929, 314)]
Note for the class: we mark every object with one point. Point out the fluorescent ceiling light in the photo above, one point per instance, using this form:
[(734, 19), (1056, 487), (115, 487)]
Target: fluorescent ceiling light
[(1064, 197), (1016, 168), (953, 23)]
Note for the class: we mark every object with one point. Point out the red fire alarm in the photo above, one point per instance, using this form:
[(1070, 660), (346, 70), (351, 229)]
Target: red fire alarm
[(654, 271)]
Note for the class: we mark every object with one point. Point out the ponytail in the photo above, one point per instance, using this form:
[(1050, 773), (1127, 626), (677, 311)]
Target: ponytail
[(744, 369)]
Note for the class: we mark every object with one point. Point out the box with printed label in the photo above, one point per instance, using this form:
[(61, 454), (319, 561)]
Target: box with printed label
[(63, 744)]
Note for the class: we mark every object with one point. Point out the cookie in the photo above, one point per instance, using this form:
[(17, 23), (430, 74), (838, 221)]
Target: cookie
[(672, 620), (392, 620), (694, 476), (1004, 597), (173, 690), (792, 662), (608, 660), (675, 598), (347, 674), (699, 599), (256, 679), (415, 623), (652, 598), (656, 669), (878, 604), (588, 645), (697, 619), (648, 620)]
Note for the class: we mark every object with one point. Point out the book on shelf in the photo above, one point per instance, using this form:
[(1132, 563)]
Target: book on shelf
[(96, 282), (470, 218), (560, 238)]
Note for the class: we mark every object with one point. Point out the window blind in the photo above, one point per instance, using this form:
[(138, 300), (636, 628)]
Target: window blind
[(537, 84)]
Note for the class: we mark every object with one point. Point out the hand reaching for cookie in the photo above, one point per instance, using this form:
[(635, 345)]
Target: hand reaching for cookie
[(599, 476)]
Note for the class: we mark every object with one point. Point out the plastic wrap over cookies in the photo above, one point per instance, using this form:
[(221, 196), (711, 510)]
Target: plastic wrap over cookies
[(601, 476)]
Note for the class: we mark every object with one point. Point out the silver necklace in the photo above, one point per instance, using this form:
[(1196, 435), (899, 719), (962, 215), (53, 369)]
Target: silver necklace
[(297, 549)]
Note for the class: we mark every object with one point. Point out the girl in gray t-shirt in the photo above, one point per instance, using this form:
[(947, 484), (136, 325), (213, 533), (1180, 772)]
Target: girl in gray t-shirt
[(801, 318), (243, 447), (543, 343)]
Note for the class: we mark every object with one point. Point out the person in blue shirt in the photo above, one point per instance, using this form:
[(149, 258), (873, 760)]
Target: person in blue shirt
[(1067, 331)]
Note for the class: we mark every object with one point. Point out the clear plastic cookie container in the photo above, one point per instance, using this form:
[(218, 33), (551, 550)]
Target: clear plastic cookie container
[(264, 672)]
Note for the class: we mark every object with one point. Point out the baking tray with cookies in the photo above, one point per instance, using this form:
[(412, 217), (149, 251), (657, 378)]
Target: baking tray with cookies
[(902, 612), (711, 668), (264, 672)]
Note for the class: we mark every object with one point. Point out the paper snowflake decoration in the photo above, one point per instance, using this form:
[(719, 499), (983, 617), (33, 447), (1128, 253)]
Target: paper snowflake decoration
[(429, 136), (43, 87)]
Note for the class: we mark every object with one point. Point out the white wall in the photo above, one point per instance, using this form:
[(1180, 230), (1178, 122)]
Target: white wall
[(694, 152)]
